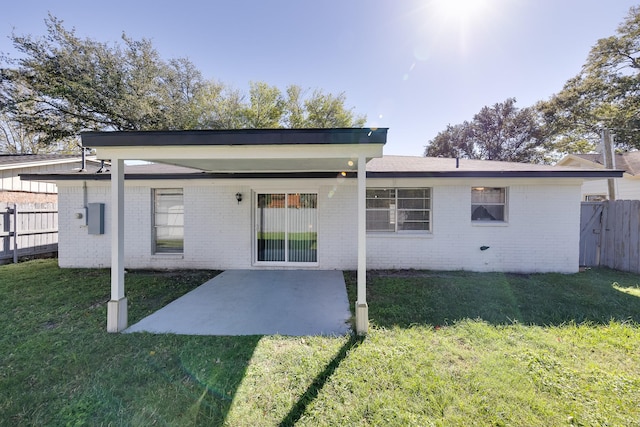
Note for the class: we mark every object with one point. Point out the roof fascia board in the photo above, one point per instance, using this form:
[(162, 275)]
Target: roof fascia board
[(317, 175), (500, 174), (254, 137), (179, 152)]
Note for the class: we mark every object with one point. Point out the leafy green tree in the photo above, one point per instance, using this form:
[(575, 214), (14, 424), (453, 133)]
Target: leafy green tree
[(265, 108), (14, 139), (454, 141), (501, 132), (62, 85), (328, 111), (605, 94), (74, 84), (222, 107), (294, 109), (219, 107)]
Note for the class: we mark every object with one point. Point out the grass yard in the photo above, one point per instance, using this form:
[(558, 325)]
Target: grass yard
[(445, 348)]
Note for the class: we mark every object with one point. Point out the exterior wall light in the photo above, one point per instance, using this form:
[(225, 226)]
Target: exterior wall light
[(239, 197)]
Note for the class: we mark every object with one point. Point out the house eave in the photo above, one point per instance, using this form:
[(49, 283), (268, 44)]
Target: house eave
[(230, 137), (593, 174), (187, 176), (499, 174)]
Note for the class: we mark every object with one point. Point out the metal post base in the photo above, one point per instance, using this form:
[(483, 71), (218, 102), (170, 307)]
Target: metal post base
[(117, 315), (362, 318)]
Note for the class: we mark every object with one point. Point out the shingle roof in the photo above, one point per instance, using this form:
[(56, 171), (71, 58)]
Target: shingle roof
[(387, 166), (406, 166), (629, 161), (29, 159), (440, 164)]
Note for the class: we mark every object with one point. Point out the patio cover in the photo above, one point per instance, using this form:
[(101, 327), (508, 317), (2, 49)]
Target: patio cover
[(236, 152)]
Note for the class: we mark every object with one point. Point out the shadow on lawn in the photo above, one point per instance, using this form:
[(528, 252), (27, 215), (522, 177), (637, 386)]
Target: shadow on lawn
[(406, 297), (217, 365), (318, 383)]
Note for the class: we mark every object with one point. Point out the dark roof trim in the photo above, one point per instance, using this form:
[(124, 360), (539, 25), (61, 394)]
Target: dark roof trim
[(187, 176), (501, 174), (236, 137), (311, 175)]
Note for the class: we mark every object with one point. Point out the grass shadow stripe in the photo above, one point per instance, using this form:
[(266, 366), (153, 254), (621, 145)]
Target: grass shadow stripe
[(319, 381)]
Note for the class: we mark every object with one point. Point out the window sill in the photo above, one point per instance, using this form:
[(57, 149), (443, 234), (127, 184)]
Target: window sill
[(283, 264), (402, 235), (489, 224), (167, 256)]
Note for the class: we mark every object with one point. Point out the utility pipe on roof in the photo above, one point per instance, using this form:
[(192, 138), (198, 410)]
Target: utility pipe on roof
[(609, 162)]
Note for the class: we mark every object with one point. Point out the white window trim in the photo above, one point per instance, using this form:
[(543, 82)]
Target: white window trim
[(254, 244), (396, 232), (154, 252), (492, 223)]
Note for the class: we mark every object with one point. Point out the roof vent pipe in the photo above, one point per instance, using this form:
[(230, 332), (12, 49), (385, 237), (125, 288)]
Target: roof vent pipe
[(83, 162), (457, 162)]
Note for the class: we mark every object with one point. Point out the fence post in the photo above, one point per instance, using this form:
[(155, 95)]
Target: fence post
[(15, 233)]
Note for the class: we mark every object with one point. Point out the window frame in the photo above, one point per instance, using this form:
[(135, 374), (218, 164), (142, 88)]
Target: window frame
[(156, 194), (594, 198), (505, 204), (395, 210)]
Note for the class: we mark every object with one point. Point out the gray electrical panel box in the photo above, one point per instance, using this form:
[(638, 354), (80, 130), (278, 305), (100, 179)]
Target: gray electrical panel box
[(95, 218)]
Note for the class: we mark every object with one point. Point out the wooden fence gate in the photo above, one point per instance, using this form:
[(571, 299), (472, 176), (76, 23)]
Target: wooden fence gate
[(27, 229), (610, 235)]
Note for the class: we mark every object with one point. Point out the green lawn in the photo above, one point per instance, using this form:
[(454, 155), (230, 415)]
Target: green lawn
[(445, 348)]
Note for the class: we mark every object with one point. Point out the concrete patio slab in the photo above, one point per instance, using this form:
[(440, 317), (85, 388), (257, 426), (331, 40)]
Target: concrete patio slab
[(257, 302)]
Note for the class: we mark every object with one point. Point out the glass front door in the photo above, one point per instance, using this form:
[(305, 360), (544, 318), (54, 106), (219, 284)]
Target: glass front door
[(286, 227)]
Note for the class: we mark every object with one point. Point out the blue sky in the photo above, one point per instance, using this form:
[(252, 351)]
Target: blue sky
[(413, 66)]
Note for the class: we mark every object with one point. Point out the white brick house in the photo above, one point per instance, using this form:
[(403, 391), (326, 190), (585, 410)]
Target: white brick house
[(219, 234), (260, 199)]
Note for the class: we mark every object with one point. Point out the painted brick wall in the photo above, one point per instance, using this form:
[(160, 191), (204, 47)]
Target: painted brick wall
[(218, 229), (541, 233), (76, 247), (337, 226)]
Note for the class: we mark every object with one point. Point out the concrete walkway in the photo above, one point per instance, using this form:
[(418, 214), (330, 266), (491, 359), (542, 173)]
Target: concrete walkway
[(257, 302)]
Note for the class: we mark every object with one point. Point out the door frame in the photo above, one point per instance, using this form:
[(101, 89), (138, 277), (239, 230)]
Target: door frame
[(254, 225)]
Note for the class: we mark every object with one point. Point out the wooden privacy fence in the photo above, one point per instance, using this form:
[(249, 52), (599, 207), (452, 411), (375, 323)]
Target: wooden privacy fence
[(610, 235), (27, 230)]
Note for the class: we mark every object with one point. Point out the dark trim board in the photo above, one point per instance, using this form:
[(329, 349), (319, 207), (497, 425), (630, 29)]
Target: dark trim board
[(235, 137), (317, 175), (501, 174), (187, 176)]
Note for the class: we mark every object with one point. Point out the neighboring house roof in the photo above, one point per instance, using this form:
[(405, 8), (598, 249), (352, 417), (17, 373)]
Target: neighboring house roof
[(628, 162), (16, 161), (386, 166)]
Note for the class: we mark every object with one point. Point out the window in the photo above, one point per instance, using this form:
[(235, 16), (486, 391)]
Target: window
[(488, 204), (168, 221), (595, 197), (398, 209)]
